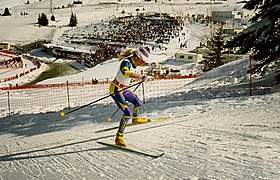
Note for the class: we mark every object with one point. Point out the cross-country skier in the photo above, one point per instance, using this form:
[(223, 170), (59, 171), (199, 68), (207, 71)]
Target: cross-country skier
[(130, 59)]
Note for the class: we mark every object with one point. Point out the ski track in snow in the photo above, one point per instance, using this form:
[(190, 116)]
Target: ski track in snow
[(206, 146), (221, 138)]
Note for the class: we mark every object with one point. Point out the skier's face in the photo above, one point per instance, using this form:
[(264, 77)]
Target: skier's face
[(138, 61)]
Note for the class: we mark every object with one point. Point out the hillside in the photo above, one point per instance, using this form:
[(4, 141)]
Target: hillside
[(222, 136), (210, 128)]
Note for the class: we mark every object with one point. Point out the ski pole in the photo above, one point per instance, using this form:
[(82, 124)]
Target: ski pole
[(143, 91), (110, 118), (62, 113)]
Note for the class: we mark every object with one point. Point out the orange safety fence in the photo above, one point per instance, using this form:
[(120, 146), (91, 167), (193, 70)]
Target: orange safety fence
[(66, 96), (86, 83), (55, 97)]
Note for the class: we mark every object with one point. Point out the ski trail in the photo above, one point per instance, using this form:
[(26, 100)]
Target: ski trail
[(239, 153), (86, 158), (104, 168), (204, 147), (215, 144), (29, 168), (63, 164), (232, 153)]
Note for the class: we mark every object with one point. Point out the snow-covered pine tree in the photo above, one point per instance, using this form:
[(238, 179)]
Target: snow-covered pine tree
[(53, 18), (43, 20), (262, 37), (73, 20), (6, 12), (214, 55)]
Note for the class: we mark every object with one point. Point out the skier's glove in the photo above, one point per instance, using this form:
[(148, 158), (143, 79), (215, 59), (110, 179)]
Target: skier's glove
[(145, 78), (154, 64)]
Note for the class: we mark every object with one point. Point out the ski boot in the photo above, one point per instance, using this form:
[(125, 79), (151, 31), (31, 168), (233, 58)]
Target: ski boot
[(140, 120), (119, 140), (136, 119)]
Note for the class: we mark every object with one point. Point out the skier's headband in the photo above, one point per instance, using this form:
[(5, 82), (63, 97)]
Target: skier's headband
[(142, 53)]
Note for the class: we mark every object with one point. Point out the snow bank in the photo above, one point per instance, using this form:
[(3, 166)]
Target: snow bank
[(230, 73)]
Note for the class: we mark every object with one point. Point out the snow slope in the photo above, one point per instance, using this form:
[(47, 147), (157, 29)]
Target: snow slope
[(222, 137), (215, 130), (19, 29)]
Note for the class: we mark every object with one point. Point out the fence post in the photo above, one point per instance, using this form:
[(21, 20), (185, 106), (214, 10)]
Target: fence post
[(250, 74), (9, 106), (68, 95)]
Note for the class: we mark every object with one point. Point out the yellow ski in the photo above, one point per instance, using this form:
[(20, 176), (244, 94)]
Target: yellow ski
[(132, 150), (153, 120)]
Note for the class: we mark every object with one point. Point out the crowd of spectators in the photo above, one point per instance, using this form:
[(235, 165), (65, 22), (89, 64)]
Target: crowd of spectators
[(141, 29), (14, 62), (103, 53), (116, 34), (33, 45)]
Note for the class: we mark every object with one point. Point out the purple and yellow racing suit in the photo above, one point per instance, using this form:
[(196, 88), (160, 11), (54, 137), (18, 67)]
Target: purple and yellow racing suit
[(121, 81)]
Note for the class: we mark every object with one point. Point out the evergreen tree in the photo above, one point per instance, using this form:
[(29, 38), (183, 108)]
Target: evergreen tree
[(263, 36), (214, 55), (53, 18), (43, 20), (39, 19), (6, 12), (73, 20)]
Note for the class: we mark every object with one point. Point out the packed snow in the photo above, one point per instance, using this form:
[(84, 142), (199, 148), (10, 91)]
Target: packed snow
[(213, 128), (222, 136)]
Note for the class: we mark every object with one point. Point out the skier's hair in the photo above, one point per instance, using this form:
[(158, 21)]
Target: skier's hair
[(126, 53)]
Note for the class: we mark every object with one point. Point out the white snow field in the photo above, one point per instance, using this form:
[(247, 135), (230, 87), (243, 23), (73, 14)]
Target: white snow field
[(213, 128), (213, 132)]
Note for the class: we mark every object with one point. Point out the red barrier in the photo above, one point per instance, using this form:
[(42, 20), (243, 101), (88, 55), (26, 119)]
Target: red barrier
[(8, 52), (20, 75), (89, 83), (178, 77)]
